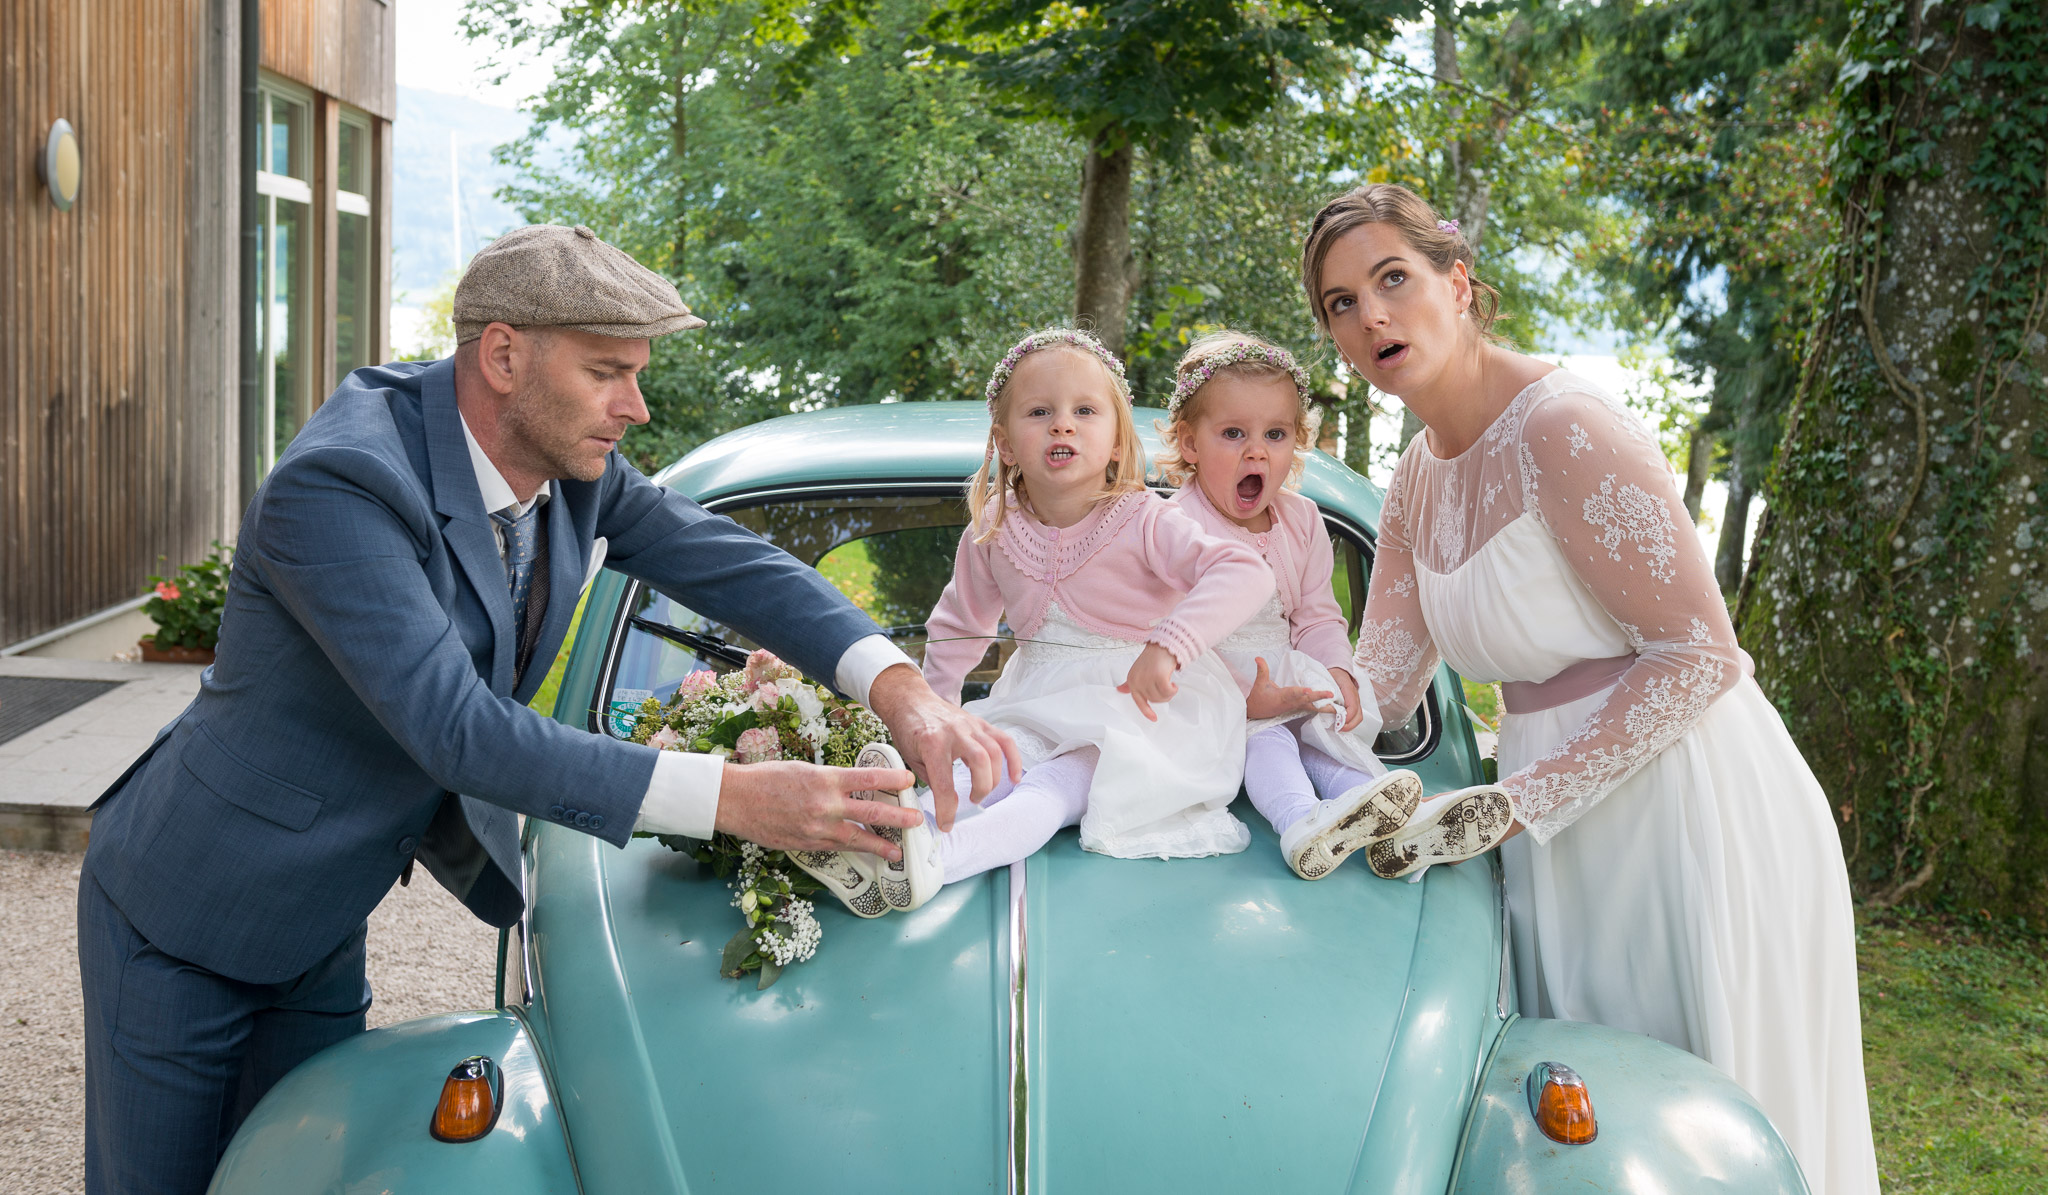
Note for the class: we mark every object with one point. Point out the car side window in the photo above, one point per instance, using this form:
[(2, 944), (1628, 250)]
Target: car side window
[(1411, 740)]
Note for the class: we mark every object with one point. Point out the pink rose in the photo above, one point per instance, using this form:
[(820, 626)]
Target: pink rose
[(666, 739), (764, 666), (765, 697), (696, 685), (759, 745)]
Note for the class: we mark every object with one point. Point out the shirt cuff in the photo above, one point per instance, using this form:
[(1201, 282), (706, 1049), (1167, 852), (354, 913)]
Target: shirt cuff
[(682, 796), (867, 659)]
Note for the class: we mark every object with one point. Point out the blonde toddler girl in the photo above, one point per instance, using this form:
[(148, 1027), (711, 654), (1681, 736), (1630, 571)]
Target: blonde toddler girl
[(1240, 423)]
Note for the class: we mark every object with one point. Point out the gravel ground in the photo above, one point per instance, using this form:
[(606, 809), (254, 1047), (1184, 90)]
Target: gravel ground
[(427, 955)]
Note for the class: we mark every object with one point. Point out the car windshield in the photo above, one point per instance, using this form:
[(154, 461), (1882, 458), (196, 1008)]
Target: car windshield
[(891, 553)]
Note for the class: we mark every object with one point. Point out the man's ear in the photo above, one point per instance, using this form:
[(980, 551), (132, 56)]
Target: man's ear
[(498, 357)]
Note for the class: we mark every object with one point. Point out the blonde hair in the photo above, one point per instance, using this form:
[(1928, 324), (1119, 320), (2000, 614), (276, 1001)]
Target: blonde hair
[(1172, 465), (996, 484), (1437, 240)]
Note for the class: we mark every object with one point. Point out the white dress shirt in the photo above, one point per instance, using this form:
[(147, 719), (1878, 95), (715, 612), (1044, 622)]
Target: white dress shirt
[(682, 796)]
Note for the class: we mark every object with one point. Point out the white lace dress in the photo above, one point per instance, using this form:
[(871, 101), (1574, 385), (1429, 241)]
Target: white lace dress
[(1161, 789), (1267, 636), (1680, 875)]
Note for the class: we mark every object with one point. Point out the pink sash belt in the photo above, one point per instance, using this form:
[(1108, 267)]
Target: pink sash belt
[(1582, 679)]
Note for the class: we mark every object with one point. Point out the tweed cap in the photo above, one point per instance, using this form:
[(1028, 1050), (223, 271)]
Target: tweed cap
[(550, 276)]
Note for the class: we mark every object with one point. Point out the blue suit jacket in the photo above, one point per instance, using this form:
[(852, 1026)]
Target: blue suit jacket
[(365, 675)]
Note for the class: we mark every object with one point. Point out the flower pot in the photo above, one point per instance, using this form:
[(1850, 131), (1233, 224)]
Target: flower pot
[(152, 654)]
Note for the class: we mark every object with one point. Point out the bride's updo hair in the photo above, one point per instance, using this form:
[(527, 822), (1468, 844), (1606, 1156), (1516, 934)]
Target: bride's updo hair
[(1436, 239)]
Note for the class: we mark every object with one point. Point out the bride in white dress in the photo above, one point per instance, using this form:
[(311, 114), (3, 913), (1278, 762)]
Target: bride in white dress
[(1676, 871)]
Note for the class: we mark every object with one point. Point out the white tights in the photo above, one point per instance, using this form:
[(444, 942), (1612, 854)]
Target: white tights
[(1016, 819), (1282, 775)]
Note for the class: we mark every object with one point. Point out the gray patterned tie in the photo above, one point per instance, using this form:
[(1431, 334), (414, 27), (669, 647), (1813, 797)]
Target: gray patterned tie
[(522, 544)]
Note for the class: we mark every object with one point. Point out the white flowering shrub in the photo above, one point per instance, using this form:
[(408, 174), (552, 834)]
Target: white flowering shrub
[(766, 711)]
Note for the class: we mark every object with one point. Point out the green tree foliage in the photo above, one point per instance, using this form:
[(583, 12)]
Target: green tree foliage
[(1900, 599), (1150, 76), (1712, 117), (881, 233)]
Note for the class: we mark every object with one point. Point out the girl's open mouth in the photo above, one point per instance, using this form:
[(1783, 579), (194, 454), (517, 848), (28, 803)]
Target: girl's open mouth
[(1250, 488), (1390, 352), (1059, 454)]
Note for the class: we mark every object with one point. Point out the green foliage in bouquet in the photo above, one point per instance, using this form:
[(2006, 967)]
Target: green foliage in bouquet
[(764, 713), (186, 605)]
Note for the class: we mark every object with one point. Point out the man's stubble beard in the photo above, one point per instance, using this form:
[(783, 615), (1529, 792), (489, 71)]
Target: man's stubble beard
[(544, 425)]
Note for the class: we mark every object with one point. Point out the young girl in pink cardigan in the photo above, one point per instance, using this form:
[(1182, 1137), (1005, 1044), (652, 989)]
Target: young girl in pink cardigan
[(1239, 426), (1128, 724)]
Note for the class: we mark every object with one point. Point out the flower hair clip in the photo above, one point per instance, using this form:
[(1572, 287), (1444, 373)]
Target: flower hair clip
[(1046, 338), (1238, 354), (1447, 226)]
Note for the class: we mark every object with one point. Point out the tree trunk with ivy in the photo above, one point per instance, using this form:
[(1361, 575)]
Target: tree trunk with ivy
[(1898, 611)]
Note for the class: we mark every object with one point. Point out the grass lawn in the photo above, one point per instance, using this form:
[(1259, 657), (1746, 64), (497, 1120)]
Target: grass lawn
[(1955, 1049)]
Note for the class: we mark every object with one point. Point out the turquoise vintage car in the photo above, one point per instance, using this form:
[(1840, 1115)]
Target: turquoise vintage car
[(1077, 1024)]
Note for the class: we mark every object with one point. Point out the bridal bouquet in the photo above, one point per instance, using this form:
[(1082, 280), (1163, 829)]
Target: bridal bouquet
[(765, 712)]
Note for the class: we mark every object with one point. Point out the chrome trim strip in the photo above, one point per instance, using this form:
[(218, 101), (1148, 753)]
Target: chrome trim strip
[(1507, 954), (1020, 1038)]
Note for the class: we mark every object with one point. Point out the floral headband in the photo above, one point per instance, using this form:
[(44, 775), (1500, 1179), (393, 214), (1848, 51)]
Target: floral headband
[(1238, 354), (1044, 339)]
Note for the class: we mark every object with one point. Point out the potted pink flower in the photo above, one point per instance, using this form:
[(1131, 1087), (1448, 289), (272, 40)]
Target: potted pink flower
[(186, 608)]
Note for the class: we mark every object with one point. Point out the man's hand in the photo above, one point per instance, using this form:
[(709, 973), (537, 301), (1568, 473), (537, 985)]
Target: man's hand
[(1354, 713), (1268, 700), (1151, 679), (803, 807), (932, 732)]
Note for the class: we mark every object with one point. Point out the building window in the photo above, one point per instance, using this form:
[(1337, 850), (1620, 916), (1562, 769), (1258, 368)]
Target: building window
[(284, 259), (354, 255)]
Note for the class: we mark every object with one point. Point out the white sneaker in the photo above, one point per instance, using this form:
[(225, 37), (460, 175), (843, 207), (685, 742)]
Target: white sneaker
[(917, 877), (1327, 834), (1449, 828), (848, 875)]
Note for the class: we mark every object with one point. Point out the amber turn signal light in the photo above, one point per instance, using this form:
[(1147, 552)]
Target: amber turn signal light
[(469, 1101), (1562, 1106)]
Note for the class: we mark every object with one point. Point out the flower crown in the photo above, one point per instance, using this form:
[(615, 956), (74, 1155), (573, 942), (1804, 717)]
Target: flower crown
[(1044, 339), (1237, 354)]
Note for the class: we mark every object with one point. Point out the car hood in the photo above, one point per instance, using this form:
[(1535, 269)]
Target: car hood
[(1209, 1024)]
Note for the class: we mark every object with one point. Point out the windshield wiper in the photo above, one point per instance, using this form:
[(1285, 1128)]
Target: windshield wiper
[(697, 641)]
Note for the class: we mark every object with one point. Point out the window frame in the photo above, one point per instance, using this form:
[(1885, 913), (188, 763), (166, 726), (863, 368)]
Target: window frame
[(303, 302), (622, 617)]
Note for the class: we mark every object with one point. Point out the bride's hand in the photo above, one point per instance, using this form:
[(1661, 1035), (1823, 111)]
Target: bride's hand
[(1268, 700), (1151, 679)]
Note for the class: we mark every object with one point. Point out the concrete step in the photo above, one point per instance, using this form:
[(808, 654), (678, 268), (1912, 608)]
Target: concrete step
[(51, 773)]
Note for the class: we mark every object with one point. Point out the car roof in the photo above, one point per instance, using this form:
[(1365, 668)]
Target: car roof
[(919, 441)]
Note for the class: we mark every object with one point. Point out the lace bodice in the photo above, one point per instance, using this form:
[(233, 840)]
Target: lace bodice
[(1559, 536)]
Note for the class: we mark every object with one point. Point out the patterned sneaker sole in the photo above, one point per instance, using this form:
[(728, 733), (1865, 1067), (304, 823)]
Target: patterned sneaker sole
[(842, 879), (1469, 826), (1385, 809), (894, 880)]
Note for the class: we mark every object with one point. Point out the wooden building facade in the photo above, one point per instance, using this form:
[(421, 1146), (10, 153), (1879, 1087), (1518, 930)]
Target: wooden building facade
[(225, 261)]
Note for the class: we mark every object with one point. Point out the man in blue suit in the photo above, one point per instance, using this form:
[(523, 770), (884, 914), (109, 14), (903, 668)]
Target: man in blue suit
[(388, 617)]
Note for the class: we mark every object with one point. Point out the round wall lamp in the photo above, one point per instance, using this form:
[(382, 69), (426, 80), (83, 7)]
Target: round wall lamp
[(59, 165)]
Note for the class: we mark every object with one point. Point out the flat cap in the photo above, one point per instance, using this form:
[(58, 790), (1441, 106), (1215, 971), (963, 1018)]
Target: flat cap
[(550, 276)]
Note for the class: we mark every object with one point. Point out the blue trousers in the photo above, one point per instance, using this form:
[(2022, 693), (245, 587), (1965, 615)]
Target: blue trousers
[(176, 1056)]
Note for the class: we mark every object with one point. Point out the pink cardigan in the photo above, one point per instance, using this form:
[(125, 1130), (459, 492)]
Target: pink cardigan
[(1298, 551), (1136, 568)]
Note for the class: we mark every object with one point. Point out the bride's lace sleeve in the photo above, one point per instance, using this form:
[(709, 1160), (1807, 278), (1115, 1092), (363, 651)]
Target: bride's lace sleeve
[(1605, 492), (1395, 654)]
